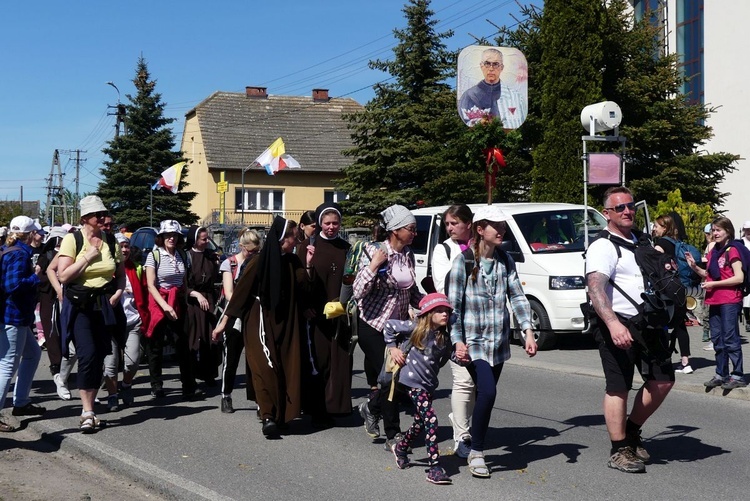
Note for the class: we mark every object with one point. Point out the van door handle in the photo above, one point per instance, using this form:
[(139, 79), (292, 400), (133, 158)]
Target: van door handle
[(420, 261)]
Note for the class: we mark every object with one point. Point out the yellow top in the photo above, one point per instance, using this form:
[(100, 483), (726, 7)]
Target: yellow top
[(100, 270)]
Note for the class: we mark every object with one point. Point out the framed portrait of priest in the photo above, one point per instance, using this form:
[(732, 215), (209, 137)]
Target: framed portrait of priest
[(492, 83)]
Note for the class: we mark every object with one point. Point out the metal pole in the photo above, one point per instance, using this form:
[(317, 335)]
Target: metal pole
[(151, 206)]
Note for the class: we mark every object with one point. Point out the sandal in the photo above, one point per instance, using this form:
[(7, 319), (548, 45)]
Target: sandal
[(477, 466), (6, 428), (89, 423)]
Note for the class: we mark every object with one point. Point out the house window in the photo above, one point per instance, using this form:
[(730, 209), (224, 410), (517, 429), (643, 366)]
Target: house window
[(331, 196), (256, 199)]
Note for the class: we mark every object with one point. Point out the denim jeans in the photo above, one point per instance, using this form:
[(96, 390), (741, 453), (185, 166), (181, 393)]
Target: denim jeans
[(725, 335), (20, 352)]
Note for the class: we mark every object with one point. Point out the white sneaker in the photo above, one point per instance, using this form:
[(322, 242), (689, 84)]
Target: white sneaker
[(62, 388), (709, 347), (685, 369)]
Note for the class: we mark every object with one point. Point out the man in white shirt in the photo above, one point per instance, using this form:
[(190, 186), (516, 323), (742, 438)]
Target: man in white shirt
[(612, 330)]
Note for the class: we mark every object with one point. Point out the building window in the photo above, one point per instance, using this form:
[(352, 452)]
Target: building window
[(257, 199), (690, 47), (331, 196)]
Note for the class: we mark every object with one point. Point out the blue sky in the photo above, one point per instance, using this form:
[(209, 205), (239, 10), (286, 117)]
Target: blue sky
[(58, 56)]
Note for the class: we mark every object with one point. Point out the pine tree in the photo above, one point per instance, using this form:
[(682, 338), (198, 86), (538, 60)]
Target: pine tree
[(137, 159), (581, 52)]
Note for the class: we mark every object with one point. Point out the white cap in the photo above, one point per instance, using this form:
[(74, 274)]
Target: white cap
[(169, 226), (746, 225), (22, 224), (490, 213)]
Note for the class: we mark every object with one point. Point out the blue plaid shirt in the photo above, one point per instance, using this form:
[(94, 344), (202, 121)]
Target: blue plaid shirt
[(480, 309), (19, 286)]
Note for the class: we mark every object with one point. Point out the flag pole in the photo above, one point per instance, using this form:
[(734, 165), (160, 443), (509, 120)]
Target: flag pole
[(151, 205)]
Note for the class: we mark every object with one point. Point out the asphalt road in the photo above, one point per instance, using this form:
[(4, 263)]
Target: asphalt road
[(547, 441)]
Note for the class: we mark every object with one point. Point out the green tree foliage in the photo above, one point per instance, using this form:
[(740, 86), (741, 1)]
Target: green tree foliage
[(695, 216), (137, 159), (581, 52), (410, 146)]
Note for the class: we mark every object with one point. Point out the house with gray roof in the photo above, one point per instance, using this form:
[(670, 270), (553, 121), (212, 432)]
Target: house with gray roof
[(227, 131)]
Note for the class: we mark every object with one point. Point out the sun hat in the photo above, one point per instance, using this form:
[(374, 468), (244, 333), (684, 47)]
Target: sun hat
[(55, 232), (491, 213), (121, 238), (397, 216), (707, 228), (432, 301), (3, 231), (746, 225), (91, 204), (169, 226), (22, 224)]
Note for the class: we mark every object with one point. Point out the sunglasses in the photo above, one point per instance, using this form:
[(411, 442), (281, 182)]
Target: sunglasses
[(621, 207)]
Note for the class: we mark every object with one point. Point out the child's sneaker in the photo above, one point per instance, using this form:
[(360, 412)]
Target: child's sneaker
[(402, 458), (437, 475)]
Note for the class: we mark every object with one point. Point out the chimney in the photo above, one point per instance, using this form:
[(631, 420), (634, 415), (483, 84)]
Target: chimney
[(320, 95), (256, 92)]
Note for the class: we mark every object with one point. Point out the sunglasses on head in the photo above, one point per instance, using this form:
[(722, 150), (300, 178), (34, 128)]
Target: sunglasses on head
[(621, 207)]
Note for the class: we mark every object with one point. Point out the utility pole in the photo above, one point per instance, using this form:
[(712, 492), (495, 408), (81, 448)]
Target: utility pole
[(78, 168), (119, 113), (55, 191)]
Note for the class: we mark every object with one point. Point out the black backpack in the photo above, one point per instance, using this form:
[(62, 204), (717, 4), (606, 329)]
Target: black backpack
[(663, 289)]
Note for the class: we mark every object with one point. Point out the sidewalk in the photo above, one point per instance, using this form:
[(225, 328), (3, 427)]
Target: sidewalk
[(582, 357)]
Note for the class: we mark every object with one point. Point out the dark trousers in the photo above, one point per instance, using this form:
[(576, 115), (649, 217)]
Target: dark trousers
[(154, 346), (234, 342), (51, 336), (725, 335), (372, 343), (485, 379), (93, 342)]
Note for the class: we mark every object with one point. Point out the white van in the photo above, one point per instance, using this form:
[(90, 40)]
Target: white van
[(546, 240)]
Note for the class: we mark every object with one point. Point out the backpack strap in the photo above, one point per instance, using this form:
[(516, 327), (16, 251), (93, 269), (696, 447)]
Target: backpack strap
[(447, 250), (111, 242)]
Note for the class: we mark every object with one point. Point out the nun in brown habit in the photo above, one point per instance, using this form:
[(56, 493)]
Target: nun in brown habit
[(270, 297), (329, 388)]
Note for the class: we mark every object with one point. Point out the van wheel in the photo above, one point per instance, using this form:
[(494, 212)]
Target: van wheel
[(545, 339)]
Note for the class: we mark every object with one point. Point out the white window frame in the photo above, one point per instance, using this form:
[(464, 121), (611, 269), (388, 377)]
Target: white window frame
[(259, 192)]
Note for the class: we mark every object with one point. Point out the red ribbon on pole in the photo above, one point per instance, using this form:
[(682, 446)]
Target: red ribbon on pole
[(494, 160)]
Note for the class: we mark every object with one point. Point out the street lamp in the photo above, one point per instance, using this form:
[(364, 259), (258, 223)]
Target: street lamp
[(118, 91)]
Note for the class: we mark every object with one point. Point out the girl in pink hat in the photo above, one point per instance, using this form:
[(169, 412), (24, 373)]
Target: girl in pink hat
[(420, 349)]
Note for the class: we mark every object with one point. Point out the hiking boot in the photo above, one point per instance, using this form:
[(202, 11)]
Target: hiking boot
[(637, 444), (437, 475), (714, 382), (734, 383), (62, 387), (29, 410), (126, 394), (402, 458), (372, 428), (226, 405), (626, 460)]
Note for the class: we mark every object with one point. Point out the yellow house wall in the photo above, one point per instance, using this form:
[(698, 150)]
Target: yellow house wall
[(302, 190)]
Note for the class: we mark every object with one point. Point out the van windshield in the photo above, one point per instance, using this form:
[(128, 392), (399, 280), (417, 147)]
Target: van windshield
[(558, 230)]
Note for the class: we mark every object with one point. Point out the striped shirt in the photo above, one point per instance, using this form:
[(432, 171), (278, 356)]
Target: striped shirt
[(480, 307), (170, 271)]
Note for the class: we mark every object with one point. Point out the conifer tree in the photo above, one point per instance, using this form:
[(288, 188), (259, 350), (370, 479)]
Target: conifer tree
[(581, 52), (137, 159)]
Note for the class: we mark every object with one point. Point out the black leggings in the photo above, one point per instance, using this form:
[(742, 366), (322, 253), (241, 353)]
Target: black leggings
[(233, 345), (372, 343)]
